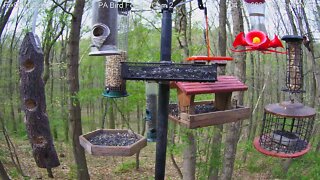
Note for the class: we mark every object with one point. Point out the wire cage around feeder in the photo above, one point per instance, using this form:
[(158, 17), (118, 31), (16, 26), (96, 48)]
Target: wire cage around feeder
[(294, 73), (286, 130)]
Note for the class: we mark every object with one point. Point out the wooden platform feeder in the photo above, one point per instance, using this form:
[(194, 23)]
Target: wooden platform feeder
[(225, 112), (103, 150)]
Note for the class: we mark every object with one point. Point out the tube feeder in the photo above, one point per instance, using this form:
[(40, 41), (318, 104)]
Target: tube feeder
[(104, 30), (115, 86), (294, 73), (151, 110)]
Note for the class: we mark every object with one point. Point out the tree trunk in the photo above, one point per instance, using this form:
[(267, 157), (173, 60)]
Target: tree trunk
[(215, 157), (73, 78), (233, 129), (290, 16), (3, 172), (189, 158)]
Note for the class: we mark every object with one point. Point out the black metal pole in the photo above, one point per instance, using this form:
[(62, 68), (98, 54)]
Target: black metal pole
[(164, 93)]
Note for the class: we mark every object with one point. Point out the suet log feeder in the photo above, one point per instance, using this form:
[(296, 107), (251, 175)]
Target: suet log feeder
[(256, 10), (286, 130), (294, 74)]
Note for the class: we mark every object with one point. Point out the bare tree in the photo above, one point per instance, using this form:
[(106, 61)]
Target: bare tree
[(233, 129), (73, 78), (6, 9), (215, 158)]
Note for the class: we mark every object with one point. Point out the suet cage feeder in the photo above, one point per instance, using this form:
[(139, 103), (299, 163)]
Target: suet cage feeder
[(256, 10), (294, 73), (286, 130)]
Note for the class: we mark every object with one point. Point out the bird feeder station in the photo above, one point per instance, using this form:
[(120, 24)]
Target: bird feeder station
[(256, 10), (104, 32), (207, 113), (110, 39), (287, 126), (294, 73)]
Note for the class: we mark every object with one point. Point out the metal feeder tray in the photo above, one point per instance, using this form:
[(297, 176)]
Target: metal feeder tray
[(100, 150), (169, 72)]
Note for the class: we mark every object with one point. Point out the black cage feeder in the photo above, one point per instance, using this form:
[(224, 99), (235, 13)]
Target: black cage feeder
[(294, 72), (286, 130)]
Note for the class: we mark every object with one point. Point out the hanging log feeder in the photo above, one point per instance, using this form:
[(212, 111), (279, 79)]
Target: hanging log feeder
[(112, 142), (207, 113), (34, 103)]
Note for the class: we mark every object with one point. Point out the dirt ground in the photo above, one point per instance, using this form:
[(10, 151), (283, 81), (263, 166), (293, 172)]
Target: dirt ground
[(100, 168)]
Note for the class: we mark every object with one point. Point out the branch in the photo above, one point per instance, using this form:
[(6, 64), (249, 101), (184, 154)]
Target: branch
[(60, 5)]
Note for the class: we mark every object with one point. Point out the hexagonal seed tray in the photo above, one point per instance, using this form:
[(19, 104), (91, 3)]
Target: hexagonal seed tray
[(169, 72), (102, 150)]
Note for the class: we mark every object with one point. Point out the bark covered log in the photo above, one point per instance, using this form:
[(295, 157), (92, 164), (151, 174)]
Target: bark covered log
[(34, 103)]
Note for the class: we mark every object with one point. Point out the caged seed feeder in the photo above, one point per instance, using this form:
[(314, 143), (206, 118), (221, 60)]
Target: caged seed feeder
[(287, 126), (286, 130)]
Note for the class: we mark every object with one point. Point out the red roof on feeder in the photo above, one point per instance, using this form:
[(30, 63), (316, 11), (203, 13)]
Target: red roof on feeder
[(255, 1), (224, 84)]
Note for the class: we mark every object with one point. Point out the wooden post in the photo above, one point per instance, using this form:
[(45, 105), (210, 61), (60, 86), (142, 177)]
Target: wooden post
[(34, 103)]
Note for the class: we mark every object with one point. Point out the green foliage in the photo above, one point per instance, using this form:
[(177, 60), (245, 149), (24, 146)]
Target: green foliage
[(125, 167)]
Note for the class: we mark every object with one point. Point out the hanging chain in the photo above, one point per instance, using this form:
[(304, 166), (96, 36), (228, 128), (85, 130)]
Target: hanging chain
[(125, 119)]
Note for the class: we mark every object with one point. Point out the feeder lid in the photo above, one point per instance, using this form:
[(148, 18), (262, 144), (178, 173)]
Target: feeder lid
[(289, 109), (291, 38)]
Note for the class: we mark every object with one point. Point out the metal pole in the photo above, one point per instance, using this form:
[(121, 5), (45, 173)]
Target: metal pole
[(164, 93)]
